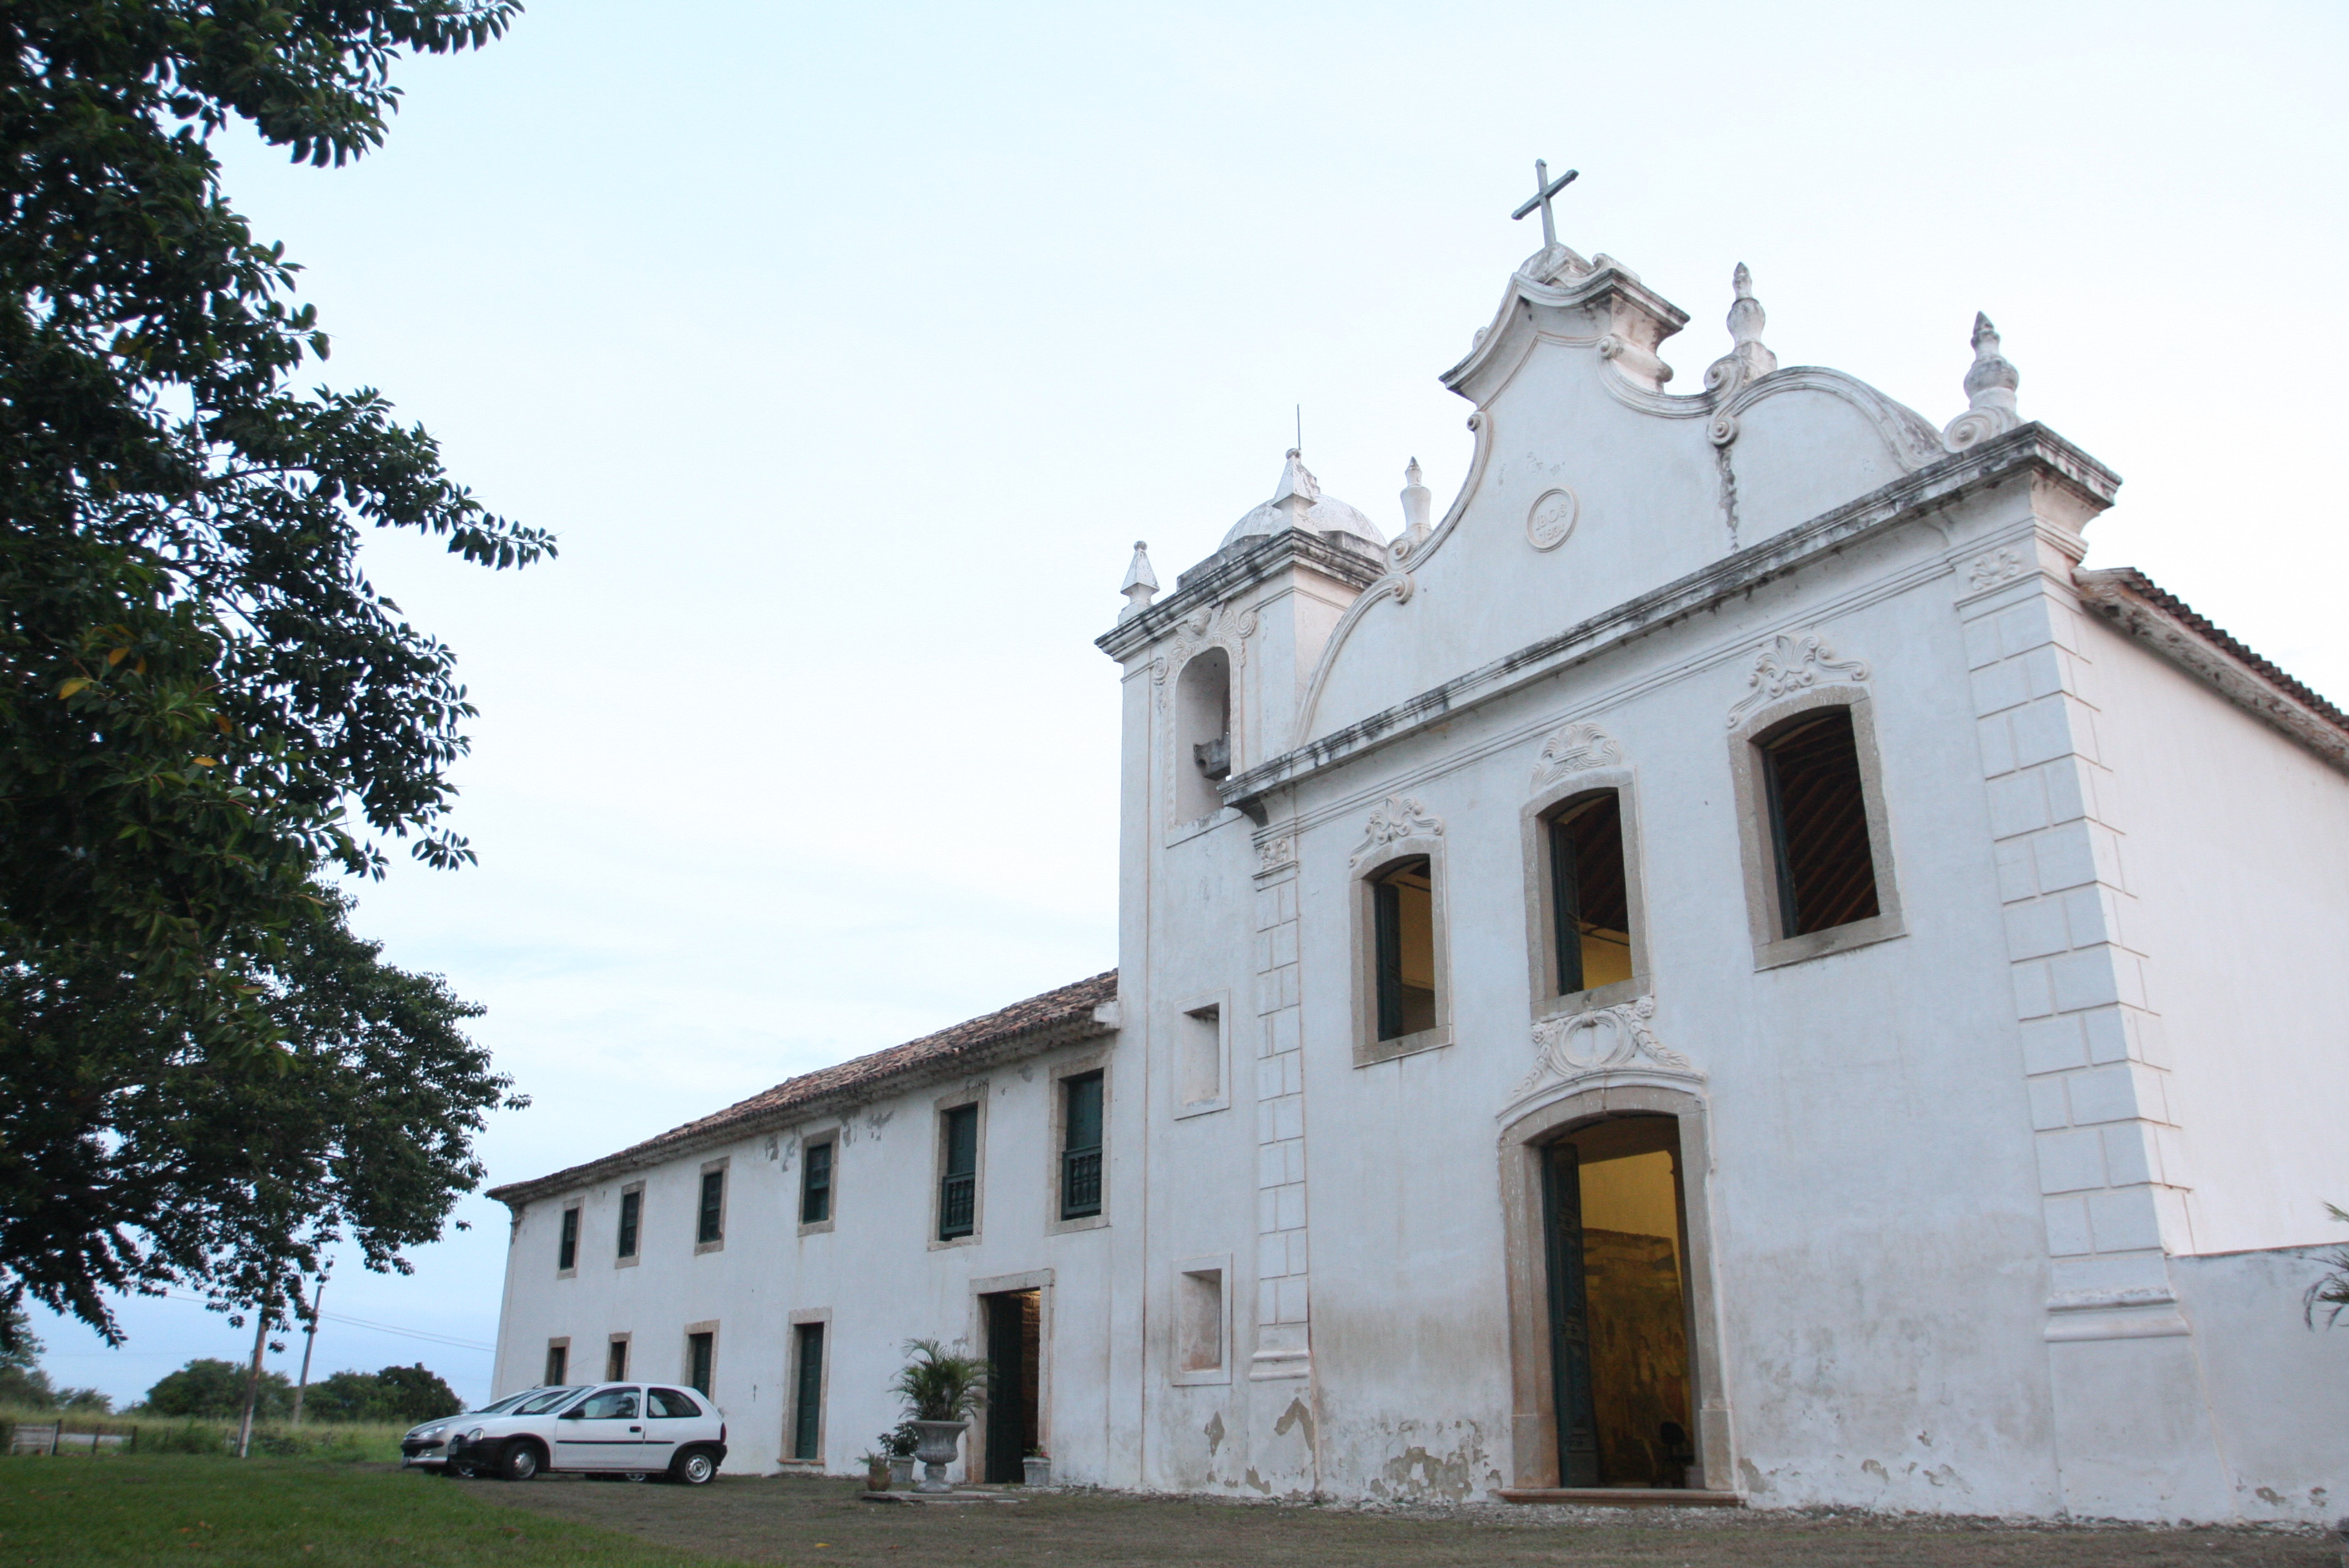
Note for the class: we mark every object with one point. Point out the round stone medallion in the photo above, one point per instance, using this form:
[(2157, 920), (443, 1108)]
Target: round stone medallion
[(1552, 519)]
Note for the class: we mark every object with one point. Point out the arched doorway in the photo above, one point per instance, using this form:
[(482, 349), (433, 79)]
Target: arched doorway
[(1614, 1350)]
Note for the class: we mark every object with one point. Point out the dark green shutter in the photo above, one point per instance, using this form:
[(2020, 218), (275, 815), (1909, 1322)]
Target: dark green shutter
[(807, 1410), (1080, 1146), (700, 1350), (815, 1186), (1565, 906), (566, 1254), (713, 1205), (1386, 921), (959, 1185), (631, 1207), (1569, 1319)]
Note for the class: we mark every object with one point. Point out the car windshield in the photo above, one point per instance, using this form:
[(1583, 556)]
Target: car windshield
[(541, 1400), (499, 1406)]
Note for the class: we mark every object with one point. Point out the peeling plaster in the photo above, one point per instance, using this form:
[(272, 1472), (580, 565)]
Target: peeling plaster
[(1215, 1430), (1297, 1414)]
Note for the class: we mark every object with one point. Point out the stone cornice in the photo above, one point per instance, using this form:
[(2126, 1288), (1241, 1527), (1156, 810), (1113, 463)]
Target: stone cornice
[(2032, 450), (1219, 577)]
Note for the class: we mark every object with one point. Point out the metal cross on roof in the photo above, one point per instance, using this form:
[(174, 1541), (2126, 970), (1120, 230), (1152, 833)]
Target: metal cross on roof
[(1544, 189)]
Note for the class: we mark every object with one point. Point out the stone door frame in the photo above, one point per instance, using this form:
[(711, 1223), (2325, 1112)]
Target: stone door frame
[(1533, 1420)]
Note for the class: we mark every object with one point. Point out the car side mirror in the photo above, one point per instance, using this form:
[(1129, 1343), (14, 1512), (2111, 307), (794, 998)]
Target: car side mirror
[(571, 1416)]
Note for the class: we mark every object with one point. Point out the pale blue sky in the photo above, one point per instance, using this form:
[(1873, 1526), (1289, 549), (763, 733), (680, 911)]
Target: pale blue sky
[(849, 349)]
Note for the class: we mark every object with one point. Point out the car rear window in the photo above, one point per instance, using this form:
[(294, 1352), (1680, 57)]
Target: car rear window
[(674, 1402)]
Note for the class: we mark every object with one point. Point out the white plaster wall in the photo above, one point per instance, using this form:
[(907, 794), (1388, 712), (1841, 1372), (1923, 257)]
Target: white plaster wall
[(875, 1270), (2277, 1385), (2237, 849)]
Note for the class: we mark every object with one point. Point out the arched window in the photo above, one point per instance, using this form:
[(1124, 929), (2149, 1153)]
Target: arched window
[(1590, 905), (1203, 734)]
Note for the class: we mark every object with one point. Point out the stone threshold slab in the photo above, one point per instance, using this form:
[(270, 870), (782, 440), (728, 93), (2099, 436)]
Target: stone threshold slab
[(938, 1497), (1620, 1496)]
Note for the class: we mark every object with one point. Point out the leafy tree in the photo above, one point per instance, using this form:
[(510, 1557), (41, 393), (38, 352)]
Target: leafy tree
[(212, 1389), (129, 1153), (204, 702), (402, 1394), (22, 1380)]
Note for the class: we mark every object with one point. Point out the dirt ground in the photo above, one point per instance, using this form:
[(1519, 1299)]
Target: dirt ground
[(823, 1521)]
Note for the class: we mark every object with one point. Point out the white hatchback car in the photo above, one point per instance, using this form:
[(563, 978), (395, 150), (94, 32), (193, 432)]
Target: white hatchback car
[(614, 1428)]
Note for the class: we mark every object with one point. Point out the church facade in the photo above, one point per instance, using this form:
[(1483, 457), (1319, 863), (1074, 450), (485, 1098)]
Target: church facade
[(1727, 962)]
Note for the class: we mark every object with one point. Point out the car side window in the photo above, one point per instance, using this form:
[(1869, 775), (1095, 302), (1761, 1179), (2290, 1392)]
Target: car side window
[(611, 1405), (669, 1402)]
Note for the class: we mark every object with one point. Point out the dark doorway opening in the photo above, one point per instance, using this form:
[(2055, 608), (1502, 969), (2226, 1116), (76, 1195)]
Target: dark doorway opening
[(1617, 1244), (1015, 1354)]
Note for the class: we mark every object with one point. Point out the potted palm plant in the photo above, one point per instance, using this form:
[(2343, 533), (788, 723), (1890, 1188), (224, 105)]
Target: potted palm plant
[(940, 1390)]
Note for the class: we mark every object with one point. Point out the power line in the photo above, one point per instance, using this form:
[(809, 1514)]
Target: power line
[(369, 1324)]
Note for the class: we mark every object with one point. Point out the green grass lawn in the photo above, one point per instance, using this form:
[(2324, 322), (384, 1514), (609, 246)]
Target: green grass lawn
[(265, 1513)]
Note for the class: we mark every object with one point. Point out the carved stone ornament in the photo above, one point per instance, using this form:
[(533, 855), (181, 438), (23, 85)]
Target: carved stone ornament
[(1793, 662), (1214, 626), (1276, 854), (1397, 816), (1574, 748), (1551, 519), (1990, 570), (1604, 1039), (1991, 382)]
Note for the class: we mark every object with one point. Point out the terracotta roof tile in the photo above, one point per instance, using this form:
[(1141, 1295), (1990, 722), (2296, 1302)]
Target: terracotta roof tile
[(1055, 1017)]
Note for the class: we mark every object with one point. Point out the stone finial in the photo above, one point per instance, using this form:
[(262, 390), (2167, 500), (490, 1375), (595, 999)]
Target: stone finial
[(1415, 499), (1140, 583), (1991, 382), (1296, 484), (1747, 359)]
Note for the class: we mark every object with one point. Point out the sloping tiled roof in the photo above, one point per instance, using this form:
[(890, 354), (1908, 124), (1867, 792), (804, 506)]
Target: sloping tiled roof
[(2173, 628), (1054, 1019)]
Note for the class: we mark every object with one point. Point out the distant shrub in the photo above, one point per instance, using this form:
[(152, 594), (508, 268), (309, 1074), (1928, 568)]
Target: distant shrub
[(402, 1395), (188, 1437), (216, 1388)]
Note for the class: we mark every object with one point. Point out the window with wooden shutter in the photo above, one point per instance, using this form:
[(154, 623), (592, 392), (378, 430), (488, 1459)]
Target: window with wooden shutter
[(712, 1225), (815, 1184), (1403, 922), (632, 1207), (566, 1249), (1591, 916), (558, 1363), (700, 1360), (958, 1174), (1081, 1146), (1818, 823)]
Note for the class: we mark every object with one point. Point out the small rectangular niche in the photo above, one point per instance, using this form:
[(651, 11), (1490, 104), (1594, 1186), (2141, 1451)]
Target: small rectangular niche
[(1202, 1348), (1202, 1059)]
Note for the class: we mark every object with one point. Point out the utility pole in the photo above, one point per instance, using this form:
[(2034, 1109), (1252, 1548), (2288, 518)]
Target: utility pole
[(253, 1374), (309, 1343)]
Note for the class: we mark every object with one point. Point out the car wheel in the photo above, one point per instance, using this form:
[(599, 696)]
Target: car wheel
[(694, 1468), (521, 1463), (633, 1475)]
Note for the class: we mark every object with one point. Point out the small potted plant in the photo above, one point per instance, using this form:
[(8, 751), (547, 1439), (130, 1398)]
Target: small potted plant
[(940, 1391), (876, 1472), (1039, 1467), (898, 1443)]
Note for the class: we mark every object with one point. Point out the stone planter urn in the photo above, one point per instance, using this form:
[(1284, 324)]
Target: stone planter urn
[(901, 1472), (1038, 1468), (940, 1441)]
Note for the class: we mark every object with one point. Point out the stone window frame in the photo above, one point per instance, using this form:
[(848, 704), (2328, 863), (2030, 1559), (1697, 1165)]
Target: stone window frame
[(1057, 1110), (556, 1342), (627, 1356), (632, 1259), (971, 1094), (833, 1136), (1221, 1001), (1533, 1421), (578, 1233), (1369, 1049), (793, 1323), (1756, 850), (725, 1198), (684, 1357), (1541, 913), (1219, 1374)]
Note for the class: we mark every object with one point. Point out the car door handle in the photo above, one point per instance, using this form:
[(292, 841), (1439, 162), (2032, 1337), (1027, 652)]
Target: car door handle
[(635, 1429)]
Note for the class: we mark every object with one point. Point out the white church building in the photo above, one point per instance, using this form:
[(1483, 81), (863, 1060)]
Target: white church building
[(1726, 961)]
